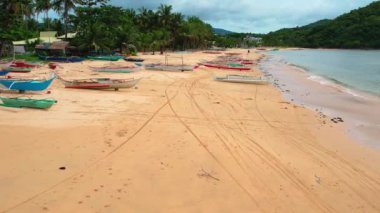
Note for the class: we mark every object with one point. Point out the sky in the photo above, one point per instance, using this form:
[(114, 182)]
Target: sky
[(256, 16)]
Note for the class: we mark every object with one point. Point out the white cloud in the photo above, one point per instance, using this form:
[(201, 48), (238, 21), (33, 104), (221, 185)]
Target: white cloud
[(254, 15)]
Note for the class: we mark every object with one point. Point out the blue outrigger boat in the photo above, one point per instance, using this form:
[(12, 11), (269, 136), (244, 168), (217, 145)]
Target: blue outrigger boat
[(3, 72), (61, 59), (26, 85)]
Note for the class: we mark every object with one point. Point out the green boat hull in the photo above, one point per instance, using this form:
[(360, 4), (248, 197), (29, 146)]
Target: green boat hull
[(18, 69), (27, 103), (105, 58), (235, 65)]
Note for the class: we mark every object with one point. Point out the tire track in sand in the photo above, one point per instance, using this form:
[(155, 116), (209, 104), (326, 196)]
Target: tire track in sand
[(31, 198), (203, 145), (271, 161), (318, 152)]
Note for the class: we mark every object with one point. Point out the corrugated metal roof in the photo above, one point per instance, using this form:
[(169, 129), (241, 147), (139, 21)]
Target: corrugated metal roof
[(69, 35), (45, 37), (57, 45)]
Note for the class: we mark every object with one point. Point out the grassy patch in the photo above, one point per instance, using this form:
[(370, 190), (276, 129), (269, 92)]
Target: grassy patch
[(26, 57)]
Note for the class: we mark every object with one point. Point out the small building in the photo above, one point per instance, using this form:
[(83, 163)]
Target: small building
[(45, 37), (254, 39), (57, 48)]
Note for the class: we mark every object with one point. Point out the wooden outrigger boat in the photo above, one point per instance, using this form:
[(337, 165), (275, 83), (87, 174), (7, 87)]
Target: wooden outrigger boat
[(227, 67), (25, 84), (133, 59), (212, 52), (22, 64), (18, 69), (71, 59), (100, 83), (243, 79), (247, 62), (27, 103), (116, 69), (105, 58), (2, 72), (171, 68)]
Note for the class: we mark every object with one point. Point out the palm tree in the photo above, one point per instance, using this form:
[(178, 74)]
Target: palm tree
[(64, 7), (146, 19), (19, 8), (164, 12), (44, 5), (90, 3)]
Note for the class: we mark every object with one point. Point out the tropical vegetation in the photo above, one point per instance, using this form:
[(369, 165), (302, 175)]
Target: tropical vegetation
[(358, 29), (102, 27)]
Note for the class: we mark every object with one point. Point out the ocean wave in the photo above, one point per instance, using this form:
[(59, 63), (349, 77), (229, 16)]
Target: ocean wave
[(304, 69), (332, 82), (323, 80)]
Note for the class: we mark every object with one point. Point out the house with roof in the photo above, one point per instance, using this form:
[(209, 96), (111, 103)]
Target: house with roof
[(48, 44), (45, 37)]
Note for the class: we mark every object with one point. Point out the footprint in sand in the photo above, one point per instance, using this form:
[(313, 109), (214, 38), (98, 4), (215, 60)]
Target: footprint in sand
[(121, 133), (108, 142)]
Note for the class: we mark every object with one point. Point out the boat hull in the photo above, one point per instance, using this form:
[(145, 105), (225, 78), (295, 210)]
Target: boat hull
[(62, 59), (87, 86), (101, 83), (227, 67), (126, 69), (243, 80), (21, 64), (134, 59), (25, 85), (105, 58), (27, 103), (18, 69), (2, 73), (169, 68)]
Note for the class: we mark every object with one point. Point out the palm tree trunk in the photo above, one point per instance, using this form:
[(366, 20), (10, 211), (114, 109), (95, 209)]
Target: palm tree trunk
[(65, 17), (47, 19)]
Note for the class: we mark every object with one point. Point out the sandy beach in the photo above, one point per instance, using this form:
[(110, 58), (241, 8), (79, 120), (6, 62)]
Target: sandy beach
[(358, 109), (179, 142)]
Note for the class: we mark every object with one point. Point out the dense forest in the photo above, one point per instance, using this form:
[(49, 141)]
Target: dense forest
[(358, 29), (240, 40), (102, 27)]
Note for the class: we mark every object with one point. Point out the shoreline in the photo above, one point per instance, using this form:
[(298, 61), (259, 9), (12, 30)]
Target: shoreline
[(328, 97), (328, 81), (180, 142)]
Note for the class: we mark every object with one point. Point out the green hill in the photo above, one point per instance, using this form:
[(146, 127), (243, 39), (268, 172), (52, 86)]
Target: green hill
[(219, 31), (357, 29)]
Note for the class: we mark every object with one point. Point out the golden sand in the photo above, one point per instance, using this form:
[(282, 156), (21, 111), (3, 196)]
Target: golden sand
[(179, 142)]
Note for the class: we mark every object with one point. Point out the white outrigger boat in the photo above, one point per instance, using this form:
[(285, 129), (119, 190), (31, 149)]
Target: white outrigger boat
[(170, 68), (243, 79)]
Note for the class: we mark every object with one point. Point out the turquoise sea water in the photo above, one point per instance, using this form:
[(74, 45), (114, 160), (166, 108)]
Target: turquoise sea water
[(355, 69)]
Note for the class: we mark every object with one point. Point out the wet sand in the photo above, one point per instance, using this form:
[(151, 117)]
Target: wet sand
[(359, 111), (180, 142)]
